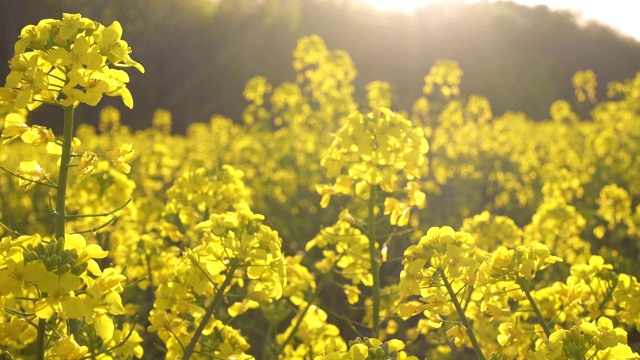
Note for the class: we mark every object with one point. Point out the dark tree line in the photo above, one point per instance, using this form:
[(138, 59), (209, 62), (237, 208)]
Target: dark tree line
[(199, 53)]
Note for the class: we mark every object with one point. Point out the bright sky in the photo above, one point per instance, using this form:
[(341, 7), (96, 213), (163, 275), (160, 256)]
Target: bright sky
[(618, 14)]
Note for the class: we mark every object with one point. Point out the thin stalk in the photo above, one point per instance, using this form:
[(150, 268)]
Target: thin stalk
[(40, 339), (374, 255), (92, 350), (7, 228), (325, 280), (60, 215), (608, 295), (463, 317), (48, 182), (63, 175), (106, 213), (190, 349), (61, 194), (126, 338), (534, 306), (267, 337), (94, 229)]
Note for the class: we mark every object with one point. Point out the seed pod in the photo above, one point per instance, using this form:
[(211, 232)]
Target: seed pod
[(64, 269), (40, 250), (64, 256), (51, 249), (62, 261), (53, 260), (59, 246), (78, 270), (82, 259)]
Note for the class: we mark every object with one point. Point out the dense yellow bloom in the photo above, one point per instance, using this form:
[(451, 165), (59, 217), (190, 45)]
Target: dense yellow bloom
[(347, 248), (120, 156), (68, 62), (458, 333), (15, 273), (509, 333), (445, 74), (68, 348), (14, 126), (604, 333), (379, 94), (31, 173), (615, 205), (491, 231), (391, 142), (311, 335), (584, 84), (363, 349), (88, 163)]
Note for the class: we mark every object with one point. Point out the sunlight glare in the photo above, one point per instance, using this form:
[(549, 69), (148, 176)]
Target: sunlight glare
[(618, 14), (403, 5)]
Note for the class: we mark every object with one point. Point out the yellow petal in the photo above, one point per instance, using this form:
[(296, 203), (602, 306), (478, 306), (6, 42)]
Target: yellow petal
[(45, 308), (96, 252), (104, 327), (93, 267), (255, 272), (69, 282), (48, 282), (33, 271), (358, 352), (74, 241), (127, 98), (53, 148)]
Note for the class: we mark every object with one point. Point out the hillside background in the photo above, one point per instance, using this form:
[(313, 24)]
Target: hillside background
[(199, 53)]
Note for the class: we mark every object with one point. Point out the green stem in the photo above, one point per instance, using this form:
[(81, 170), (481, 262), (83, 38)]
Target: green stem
[(63, 175), (463, 317), (190, 349), (61, 194), (40, 339), (13, 232), (60, 214), (92, 350), (268, 336), (608, 295), (374, 255), (94, 229), (106, 213), (534, 306)]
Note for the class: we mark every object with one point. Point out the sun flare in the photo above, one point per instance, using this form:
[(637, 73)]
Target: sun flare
[(618, 14), (402, 5)]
